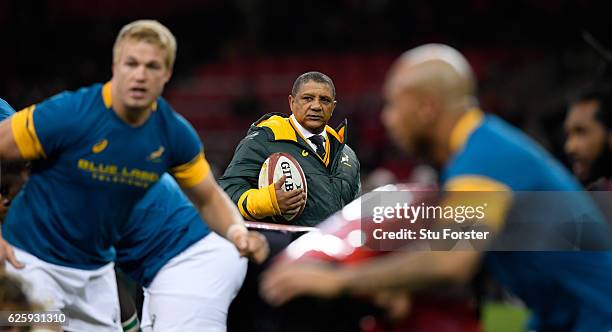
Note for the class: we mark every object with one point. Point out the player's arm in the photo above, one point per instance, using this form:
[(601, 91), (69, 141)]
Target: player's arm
[(411, 270), (8, 145), (43, 129), (406, 270), (423, 269), (192, 172), (222, 216), (215, 207)]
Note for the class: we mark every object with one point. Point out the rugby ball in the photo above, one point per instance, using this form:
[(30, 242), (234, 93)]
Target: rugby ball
[(277, 165)]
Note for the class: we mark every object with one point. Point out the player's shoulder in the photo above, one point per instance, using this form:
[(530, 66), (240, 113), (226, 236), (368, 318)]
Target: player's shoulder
[(494, 134), (169, 115), (505, 146), (163, 106), (490, 151), (83, 93), (182, 139), (74, 100), (501, 152)]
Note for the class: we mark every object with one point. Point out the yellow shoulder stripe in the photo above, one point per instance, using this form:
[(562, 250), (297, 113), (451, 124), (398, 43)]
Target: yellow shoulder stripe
[(474, 190), (193, 172), (281, 128), (474, 183), (22, 125)]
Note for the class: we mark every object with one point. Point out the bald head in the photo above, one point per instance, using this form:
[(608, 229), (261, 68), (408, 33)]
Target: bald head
[(427, 91), (435, 70)]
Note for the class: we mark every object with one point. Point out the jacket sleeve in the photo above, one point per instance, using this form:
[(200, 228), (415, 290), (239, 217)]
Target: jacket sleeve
[(241, 176)]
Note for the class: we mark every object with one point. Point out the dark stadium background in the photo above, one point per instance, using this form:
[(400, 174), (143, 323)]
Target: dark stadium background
[(237, 59)]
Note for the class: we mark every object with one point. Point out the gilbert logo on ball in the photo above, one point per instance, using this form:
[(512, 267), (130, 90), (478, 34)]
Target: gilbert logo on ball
[(277, 165)]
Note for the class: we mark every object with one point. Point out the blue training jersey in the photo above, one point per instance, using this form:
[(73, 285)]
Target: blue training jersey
[(565, 291), (90, 168), (5, 109), (162, 225)]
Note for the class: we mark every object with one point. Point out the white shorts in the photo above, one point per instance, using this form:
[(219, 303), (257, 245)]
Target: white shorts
[(87, 297), (193, 291)]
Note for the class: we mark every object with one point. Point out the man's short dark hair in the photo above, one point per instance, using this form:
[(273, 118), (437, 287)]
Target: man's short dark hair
[(603, 96), (314, 76)]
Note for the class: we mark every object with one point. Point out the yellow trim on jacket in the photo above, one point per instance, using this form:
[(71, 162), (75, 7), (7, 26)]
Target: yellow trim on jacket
[(256, 204)]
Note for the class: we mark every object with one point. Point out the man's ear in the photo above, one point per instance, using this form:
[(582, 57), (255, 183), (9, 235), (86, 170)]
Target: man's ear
[(428, 111), (291, 100), (168, 76)]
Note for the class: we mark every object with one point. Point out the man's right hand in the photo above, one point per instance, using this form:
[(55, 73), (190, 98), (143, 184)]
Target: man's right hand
[(289, 202), (7, 253)]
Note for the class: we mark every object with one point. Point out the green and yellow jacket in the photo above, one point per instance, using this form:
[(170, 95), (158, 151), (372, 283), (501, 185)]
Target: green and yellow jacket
[(332, 182)]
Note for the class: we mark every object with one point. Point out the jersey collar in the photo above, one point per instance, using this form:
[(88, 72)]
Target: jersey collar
[(108, 98), (466, 125)]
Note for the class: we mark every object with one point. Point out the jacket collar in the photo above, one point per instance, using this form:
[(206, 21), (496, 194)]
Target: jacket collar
[(282, 129), (303, 131)]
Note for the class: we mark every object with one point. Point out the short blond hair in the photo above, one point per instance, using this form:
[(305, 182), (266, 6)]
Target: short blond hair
[(150, 31)]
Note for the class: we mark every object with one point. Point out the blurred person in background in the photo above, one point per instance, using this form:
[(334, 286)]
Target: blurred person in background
[(588, 144)]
